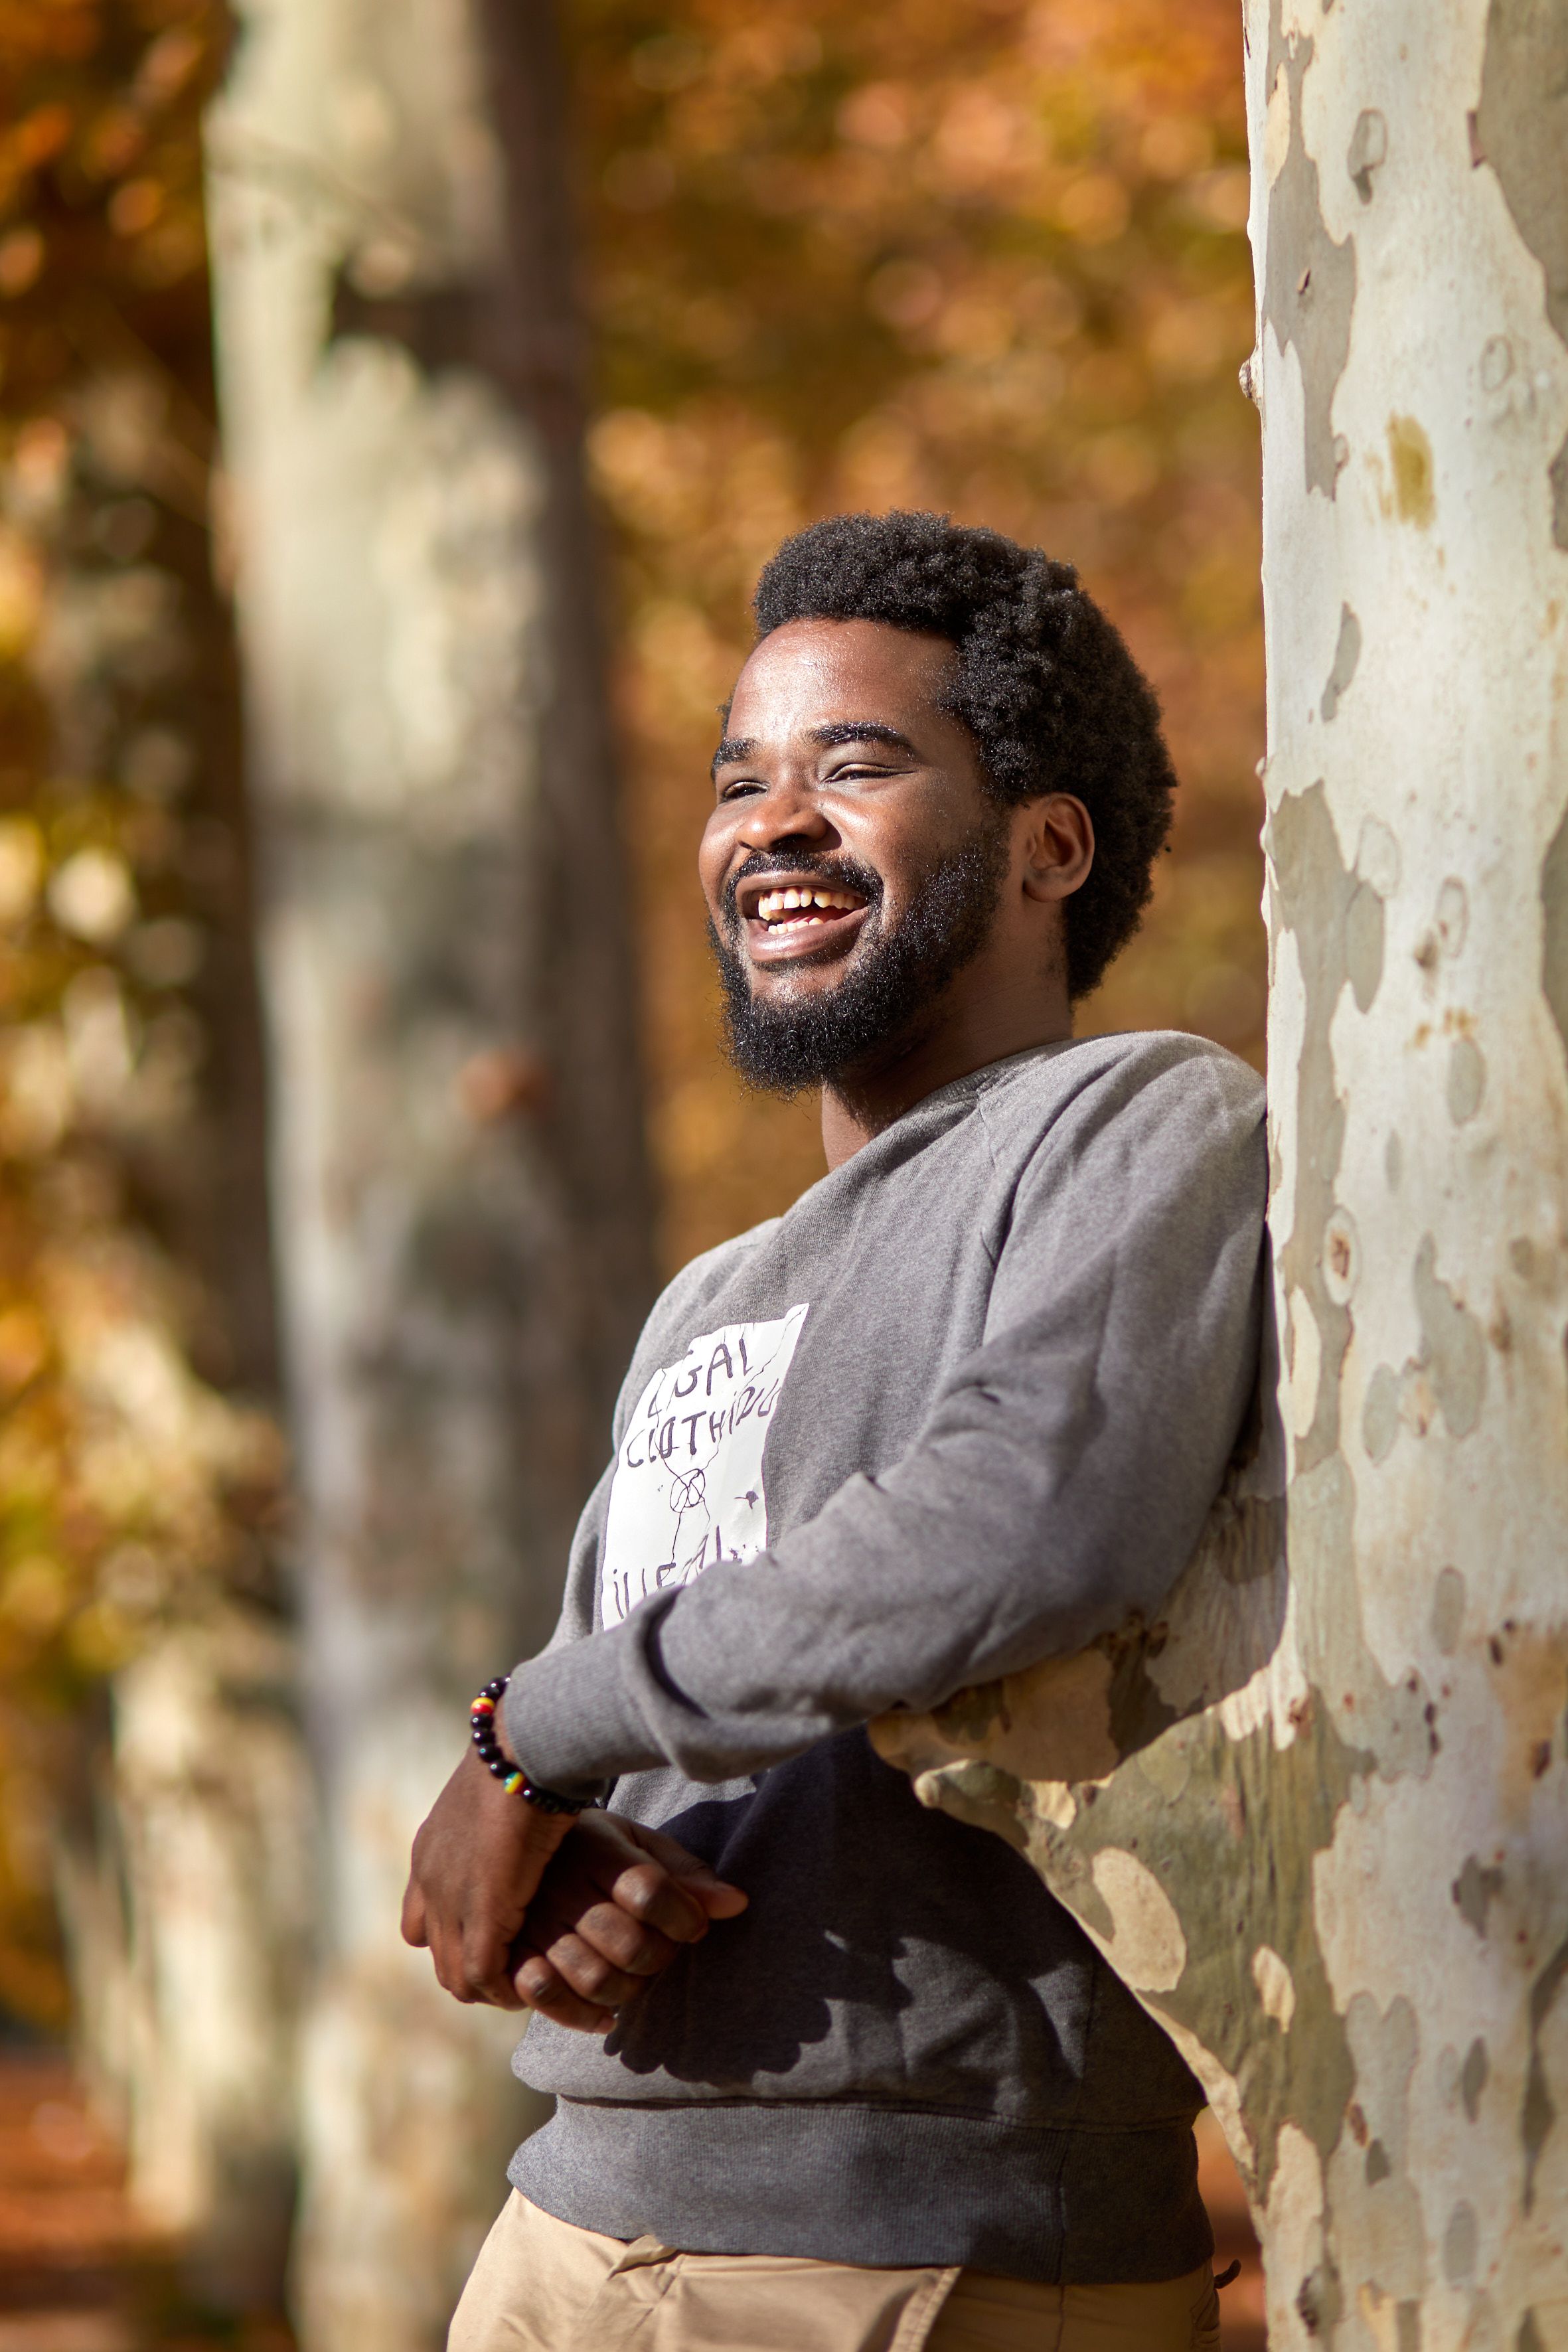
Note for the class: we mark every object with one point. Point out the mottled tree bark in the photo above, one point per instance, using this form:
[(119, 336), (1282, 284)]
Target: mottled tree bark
[(460, 1196), (1317, 1818)]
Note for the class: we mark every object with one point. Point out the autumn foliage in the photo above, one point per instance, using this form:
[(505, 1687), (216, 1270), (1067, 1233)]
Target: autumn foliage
[(130, 1487), (988, 259)]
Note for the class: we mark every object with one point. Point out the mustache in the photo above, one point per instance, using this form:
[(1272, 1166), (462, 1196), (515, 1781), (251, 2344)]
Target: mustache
[(830, 872)]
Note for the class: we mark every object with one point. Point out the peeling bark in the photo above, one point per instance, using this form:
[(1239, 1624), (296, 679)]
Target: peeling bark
[(1318, 1816), (1522, 131), (459, 1186)]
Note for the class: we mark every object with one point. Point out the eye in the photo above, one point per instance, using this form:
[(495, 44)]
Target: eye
[(852, 772), (740, 787)]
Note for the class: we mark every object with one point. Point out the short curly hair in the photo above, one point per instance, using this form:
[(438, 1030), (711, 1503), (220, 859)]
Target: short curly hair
[(1044, 682)]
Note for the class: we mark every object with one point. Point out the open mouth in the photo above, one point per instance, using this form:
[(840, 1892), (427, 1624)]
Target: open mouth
[(804, 910), (788, 913)]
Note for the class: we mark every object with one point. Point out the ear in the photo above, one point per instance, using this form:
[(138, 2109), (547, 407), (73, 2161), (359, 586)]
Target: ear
[(1056, 838)]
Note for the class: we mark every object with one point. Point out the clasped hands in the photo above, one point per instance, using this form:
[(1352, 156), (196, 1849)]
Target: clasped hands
[(564, 1914)]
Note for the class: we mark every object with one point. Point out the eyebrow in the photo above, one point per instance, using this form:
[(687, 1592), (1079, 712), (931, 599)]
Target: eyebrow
[(735, 747)]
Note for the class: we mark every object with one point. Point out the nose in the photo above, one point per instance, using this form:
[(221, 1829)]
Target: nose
[(787, 811)]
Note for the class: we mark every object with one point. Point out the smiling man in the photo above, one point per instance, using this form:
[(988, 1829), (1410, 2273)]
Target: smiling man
[(833, 2071)]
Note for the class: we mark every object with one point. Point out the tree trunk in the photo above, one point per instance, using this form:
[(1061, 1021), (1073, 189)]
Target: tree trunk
[(180, 1823), (184, 1892), (1316, 1818), (460, 1196)]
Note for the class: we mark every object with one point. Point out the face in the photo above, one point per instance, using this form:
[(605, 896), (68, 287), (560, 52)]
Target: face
[(853, 862)]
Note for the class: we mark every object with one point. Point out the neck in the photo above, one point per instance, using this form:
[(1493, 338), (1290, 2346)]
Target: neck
[(862, 1103)]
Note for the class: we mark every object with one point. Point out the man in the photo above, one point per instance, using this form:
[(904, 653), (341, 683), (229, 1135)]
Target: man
[(832, 2070)]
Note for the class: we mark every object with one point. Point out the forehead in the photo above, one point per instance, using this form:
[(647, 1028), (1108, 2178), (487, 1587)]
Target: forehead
[(811, 672)]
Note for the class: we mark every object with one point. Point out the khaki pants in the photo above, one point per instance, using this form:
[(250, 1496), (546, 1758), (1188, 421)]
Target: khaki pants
[(541, 2286)]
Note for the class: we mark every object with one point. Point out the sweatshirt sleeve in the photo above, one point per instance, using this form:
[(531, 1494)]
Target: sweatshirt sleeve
[(1059, 1484)]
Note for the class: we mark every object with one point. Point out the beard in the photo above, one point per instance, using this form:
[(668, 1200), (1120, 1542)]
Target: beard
[(894, 979)]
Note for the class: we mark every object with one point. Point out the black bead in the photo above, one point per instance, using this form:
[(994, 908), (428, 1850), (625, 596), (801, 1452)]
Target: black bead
[(547, 1801), (500, 1768), (494, 1689)]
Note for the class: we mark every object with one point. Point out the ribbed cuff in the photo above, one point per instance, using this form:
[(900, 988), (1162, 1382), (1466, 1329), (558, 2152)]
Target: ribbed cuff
[(570, 1724)]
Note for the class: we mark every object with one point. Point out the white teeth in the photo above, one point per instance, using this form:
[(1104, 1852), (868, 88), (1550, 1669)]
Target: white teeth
[(773, 905)]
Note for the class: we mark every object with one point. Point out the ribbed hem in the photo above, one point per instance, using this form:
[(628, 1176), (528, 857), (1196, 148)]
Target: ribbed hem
[(876, 2185)]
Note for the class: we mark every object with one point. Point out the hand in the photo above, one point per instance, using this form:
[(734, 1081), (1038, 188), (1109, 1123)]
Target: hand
[(477, 1861), (612, 1908)]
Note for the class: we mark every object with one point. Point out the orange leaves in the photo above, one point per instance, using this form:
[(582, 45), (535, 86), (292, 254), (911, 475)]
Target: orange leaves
[(129, 1486), (177, 58), (38, 138), (1093, 208), (989, 260), (99, 170), (879, 114), (985, 142)]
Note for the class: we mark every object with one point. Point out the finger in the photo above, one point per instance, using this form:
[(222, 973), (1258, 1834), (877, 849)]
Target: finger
[(626, 1942), (589, 1973), (718, 1898), (648, 1893), (548, 1993), (447, 1959), (613, 1857), (653, 1878), (413, 1920), (485, 1964), (681, 1905)]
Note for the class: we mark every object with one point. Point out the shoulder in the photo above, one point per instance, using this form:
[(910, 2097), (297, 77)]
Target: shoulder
[(1141, 1079), (680, 1306), (1121, 1125), (707, 1273)]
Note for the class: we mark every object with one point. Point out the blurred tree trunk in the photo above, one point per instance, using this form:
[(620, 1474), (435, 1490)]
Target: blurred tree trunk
[(458, 1188), (1318, 1818), (183, 1882), (180, 1853)]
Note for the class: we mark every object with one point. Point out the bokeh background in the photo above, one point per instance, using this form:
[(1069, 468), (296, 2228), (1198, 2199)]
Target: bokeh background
[(988, 259)]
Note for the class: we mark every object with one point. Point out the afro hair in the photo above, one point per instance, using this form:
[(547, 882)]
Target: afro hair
[(1043, 681)]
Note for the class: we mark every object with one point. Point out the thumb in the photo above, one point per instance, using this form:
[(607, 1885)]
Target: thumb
[(718, 1899), (717, 1896), (704, 1885), (413, 1923)]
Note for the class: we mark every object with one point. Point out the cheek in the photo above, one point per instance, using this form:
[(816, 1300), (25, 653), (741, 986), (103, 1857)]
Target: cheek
[(714, 858), (905, 854)]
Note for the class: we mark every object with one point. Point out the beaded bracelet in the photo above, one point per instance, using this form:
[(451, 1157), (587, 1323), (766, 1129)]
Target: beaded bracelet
[(512, 1777)]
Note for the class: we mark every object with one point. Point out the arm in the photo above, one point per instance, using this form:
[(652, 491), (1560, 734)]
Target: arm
[(1058, 1486), (521, 1908)]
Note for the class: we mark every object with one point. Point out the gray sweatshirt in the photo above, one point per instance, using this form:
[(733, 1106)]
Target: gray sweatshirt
[(964, 1407)]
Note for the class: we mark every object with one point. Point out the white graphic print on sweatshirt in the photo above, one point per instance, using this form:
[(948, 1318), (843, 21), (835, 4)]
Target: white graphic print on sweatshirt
[(688, 1488)]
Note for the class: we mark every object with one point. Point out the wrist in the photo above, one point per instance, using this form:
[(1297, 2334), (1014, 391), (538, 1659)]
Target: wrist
[(496, 1753)]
